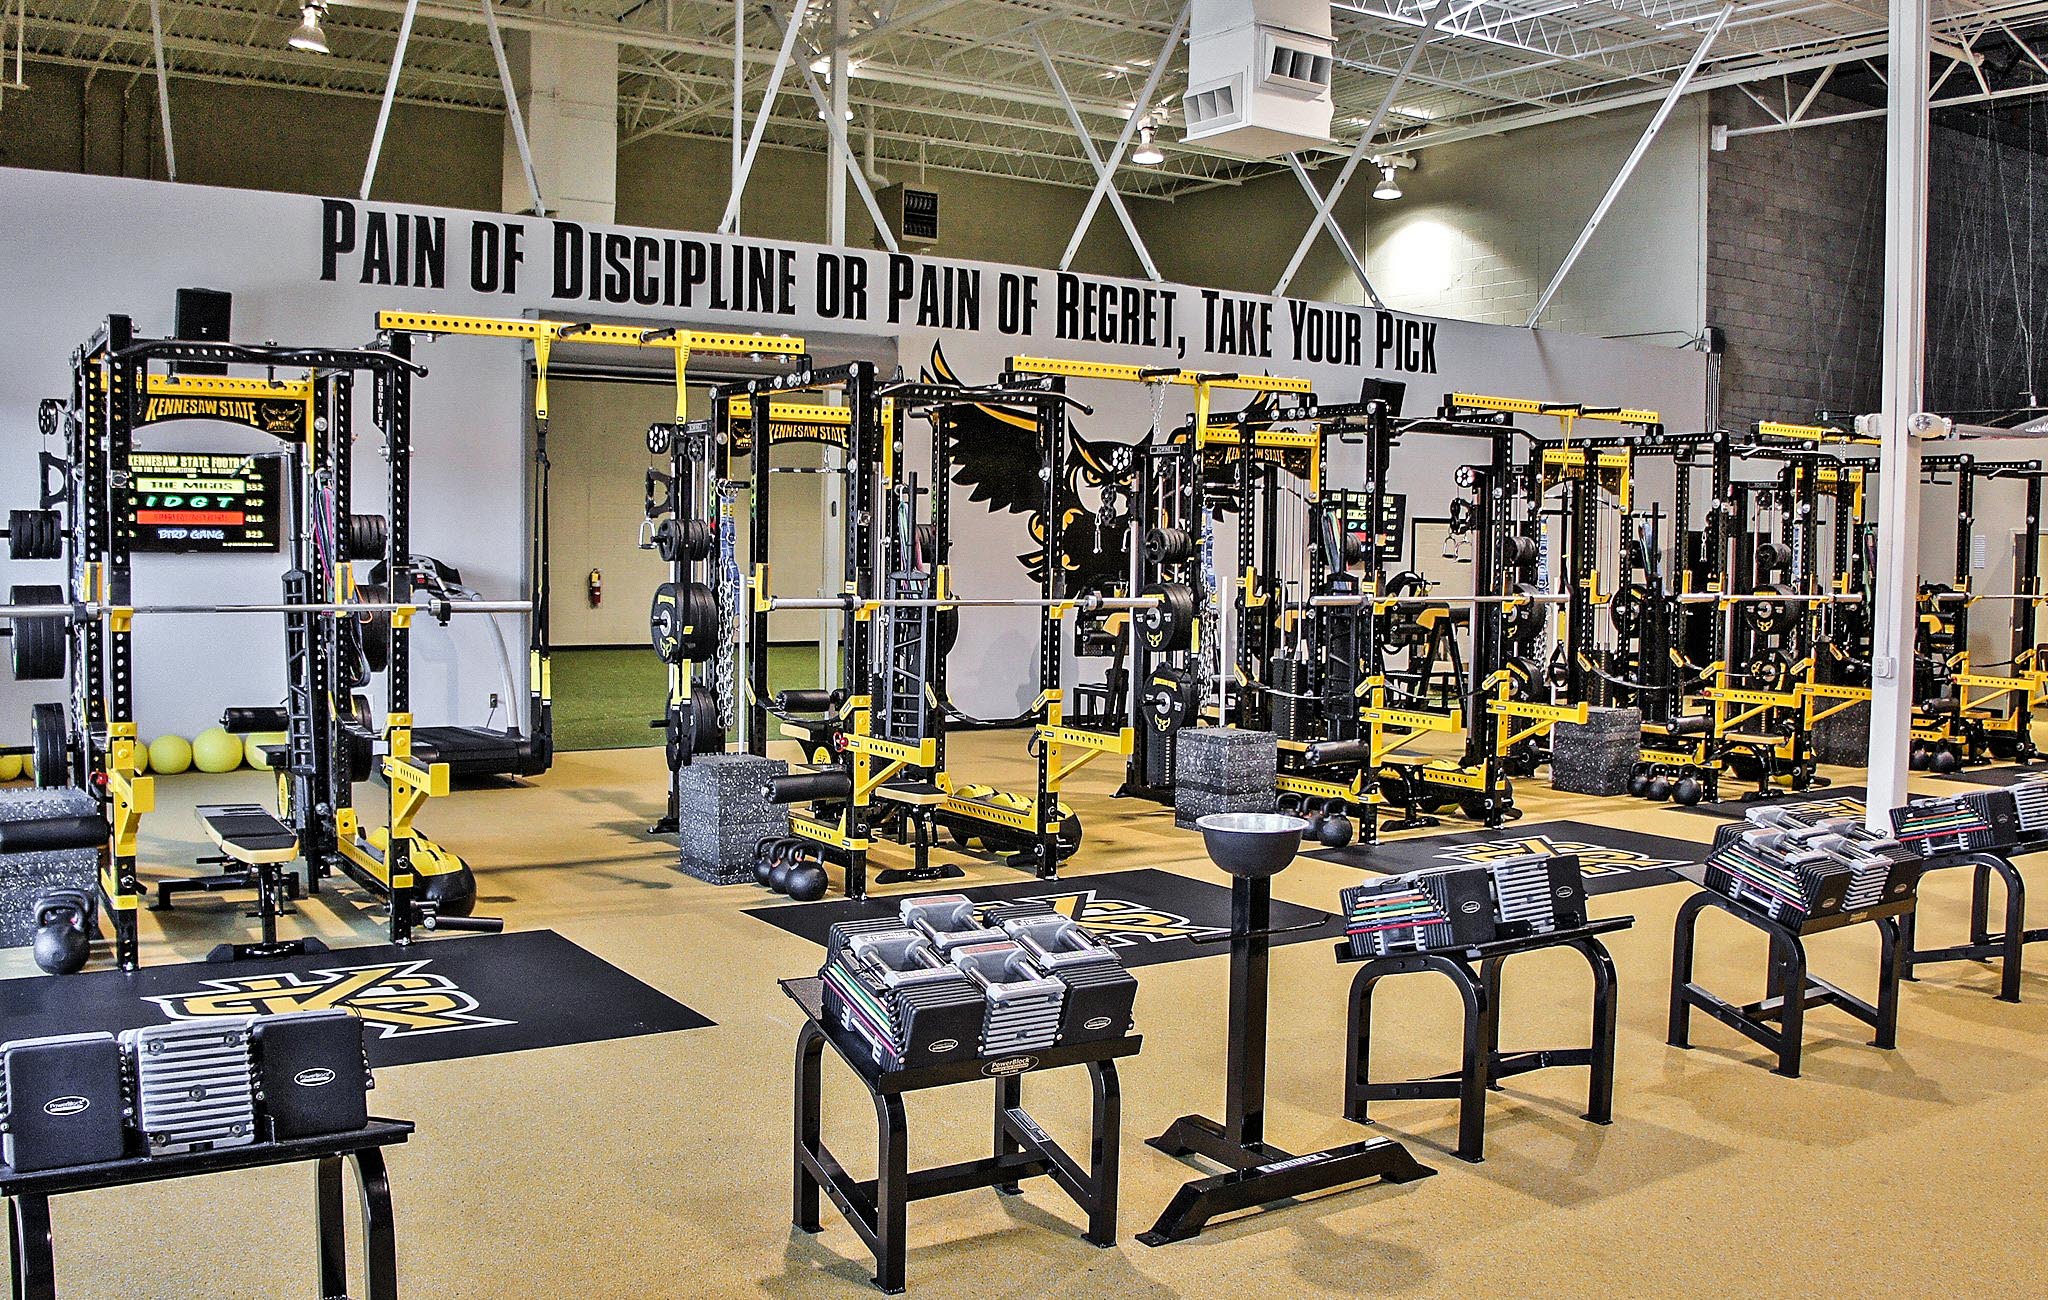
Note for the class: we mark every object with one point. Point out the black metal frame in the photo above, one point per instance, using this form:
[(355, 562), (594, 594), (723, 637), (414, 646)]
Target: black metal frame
[(1778, 1020), (2006, 946), (1483, 1064), (28, 1195), (876, 1208)]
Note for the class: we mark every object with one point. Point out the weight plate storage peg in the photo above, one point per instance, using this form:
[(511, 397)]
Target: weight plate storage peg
[(39, 643)]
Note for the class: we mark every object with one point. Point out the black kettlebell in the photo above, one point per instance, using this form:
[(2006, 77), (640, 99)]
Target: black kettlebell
[(61, 947), (764, 860), (805, 882), (778, 877), (1314, 829), (1336, 832), (1660, 788), (1639, 784), (1945, 760), (1686, 792), (1917, 758)]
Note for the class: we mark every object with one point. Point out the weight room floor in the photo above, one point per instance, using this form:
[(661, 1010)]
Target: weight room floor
[(659, 1166)]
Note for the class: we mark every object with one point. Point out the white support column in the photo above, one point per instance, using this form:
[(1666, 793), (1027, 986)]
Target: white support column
[(739, 89), (568, 93), (1628, 167), (729, 223), (390, 93), (1899, 400), (163, 85), (838, 159)]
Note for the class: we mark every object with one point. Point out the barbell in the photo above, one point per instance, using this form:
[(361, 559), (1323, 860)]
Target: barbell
[(850, 603)]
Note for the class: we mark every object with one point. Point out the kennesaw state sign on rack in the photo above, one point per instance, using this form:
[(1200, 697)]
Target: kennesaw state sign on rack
[(305, 269)]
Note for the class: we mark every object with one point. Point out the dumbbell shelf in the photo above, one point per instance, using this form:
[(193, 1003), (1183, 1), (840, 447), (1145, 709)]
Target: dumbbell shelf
[(28, 1198), (1778, 1020), (1483, 1064), (876, 1208), (2005, 946)]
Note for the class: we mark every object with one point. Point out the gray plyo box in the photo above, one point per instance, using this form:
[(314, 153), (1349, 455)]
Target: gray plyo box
[(1189, 804), (26, 877), (721, 816), (1597, 756), (1844, 738), (1225, 760)]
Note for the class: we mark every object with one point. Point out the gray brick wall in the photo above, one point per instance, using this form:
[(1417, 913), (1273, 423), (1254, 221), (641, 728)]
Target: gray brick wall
[(1795, 269)]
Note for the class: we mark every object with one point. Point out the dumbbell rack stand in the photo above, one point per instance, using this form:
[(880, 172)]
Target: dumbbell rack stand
[(28, 1199), (1022, 1149), (1483, 1065), (1256, 1173), (1778, 1020), (2004, 946)]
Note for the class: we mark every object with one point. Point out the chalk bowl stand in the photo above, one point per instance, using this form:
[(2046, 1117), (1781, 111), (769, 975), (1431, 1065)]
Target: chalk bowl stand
[(1253, 848)]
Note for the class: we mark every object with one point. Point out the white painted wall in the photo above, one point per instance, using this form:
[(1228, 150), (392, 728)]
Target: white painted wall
[(79, 247)]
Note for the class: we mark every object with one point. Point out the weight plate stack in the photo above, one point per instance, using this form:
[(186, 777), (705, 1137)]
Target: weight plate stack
[(39, 643), (34, 535), (49, 728), (375, 625), (1169, 545), (668, 539), (367, 535), (1170, 624)]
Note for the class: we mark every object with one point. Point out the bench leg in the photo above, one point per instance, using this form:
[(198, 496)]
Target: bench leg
[(1490, 986), (810, 1046), (892, 1191), (1891, 938), (28, 1233), (1788, 974), (1358, 1051), (1009, 1096), (2015, 931), (1606, 996), (1105, 1155), (380, 1233), (332, 1240), (1684, 934), (1476, 1071)]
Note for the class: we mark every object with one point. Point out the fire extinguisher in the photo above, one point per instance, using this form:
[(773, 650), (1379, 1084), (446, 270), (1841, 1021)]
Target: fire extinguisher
[(595, 584)]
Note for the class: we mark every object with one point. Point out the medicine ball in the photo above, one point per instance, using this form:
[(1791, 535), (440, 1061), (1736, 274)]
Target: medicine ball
[(806, 882), (170, 755), (214, 750), (1687, 791)]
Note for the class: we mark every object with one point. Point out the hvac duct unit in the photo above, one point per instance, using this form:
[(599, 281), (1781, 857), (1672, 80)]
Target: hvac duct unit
[(1259, 76)]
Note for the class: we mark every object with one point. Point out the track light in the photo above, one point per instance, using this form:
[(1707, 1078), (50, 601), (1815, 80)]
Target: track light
[(1148, 153), (308, 35), (1388, 188)]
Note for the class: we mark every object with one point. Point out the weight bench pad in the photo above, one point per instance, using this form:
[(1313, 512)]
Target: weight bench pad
[(248, 833)]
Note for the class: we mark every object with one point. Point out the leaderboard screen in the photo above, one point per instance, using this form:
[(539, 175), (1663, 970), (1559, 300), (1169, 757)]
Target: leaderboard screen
[(203, 501)]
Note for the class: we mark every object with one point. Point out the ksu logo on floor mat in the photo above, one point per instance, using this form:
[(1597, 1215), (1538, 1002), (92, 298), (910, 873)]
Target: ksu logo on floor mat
[(1118, 923), (1594, 859), (397, 999), (1838, 807)]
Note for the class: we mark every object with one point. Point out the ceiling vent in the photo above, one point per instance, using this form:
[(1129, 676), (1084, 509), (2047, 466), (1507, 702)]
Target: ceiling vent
[(1259, 76)]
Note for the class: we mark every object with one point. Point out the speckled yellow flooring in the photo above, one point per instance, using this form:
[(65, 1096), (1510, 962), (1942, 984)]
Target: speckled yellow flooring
[(659, 1166)]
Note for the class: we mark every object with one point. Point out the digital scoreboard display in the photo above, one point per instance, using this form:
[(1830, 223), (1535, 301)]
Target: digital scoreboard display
[(203, 501)]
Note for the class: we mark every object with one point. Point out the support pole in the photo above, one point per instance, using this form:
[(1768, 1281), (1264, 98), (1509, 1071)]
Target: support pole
[(1105, 176), (163, 86), (835, 113), (412, 8), (512, 109), (1104, 172), (1326, 206), (729, 222), (739, 88), (1899, 401), (1635, 156)]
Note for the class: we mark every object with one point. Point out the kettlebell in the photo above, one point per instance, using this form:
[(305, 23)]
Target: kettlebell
[(778, 877), (1686, 792), (1945, 760), (1660, 788), (764, 860), (1336, 832), (1639, 784), (806, 882), (1917, 758)]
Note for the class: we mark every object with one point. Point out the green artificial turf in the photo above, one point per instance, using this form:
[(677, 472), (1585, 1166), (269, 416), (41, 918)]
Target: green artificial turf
[(605, 697)]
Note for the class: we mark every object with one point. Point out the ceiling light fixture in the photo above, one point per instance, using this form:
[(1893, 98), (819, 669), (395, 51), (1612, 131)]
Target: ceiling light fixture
[(1148, 153), (308, 35), (1389, 187)]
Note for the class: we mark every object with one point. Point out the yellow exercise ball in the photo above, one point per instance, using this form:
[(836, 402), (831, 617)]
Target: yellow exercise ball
[(214, 750), (170, 755), (10, 767), (252, 748), (141, 758)]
